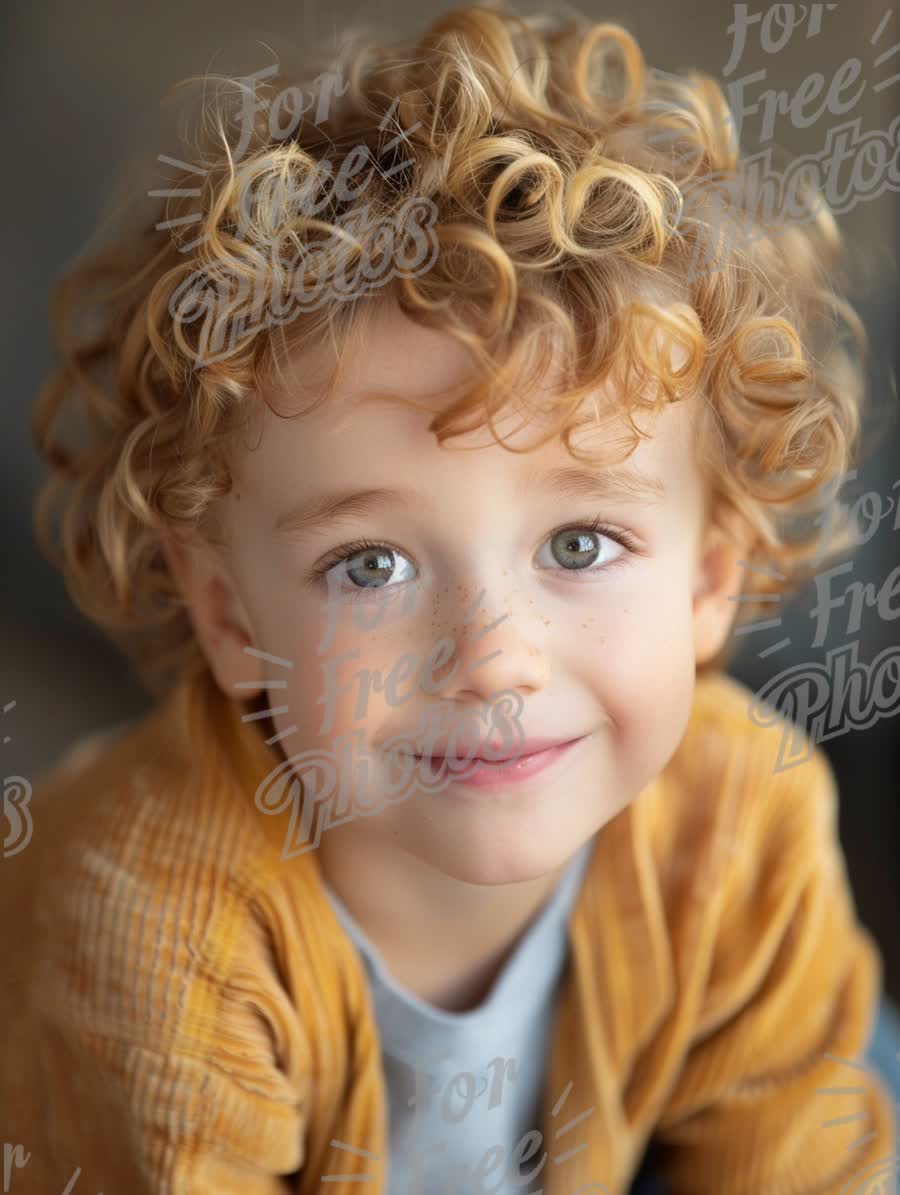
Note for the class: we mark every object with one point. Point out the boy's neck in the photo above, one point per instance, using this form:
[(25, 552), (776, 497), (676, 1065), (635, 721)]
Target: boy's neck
[(442, 939)]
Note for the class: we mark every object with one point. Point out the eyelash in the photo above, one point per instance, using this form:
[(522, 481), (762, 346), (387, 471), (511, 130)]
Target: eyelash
[(624, 538)]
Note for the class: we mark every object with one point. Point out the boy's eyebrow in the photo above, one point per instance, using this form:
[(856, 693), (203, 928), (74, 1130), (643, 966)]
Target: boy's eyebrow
[(570, 481), (564, 482)]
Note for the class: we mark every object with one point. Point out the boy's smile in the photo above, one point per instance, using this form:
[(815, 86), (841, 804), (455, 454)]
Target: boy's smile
[(597, 631)]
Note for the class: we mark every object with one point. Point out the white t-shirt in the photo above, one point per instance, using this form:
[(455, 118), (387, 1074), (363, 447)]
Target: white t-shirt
[(481, 1130)]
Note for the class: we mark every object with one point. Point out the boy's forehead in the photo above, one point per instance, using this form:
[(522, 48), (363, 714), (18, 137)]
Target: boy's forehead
[(361, 440), (367, 425), (398, 357)]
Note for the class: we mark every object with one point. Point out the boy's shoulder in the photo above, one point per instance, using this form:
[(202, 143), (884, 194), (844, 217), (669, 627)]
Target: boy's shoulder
[(731, 728), (149, 957), (142, 887), (744, 783), (145, 795)]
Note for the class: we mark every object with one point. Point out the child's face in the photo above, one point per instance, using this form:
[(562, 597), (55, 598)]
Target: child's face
[(604, 651)]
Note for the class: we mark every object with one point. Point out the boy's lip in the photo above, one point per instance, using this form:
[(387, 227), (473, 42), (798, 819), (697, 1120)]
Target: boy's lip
[(496, 751)]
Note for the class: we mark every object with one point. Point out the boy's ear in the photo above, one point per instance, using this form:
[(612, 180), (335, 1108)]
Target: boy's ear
[(216, 611), (718, 582)]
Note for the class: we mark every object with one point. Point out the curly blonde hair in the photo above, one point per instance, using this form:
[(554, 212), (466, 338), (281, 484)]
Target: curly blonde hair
[(574, 192)]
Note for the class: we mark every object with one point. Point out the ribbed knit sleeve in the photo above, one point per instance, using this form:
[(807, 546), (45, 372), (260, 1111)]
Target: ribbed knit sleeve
[(134, 1119), (151, 1047), (772, 1095)]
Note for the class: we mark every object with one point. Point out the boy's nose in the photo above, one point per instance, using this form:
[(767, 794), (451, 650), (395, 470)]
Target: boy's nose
[(492, 655)]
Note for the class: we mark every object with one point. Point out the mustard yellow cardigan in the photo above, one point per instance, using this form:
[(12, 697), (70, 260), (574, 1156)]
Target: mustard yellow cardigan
[(184, 1013)]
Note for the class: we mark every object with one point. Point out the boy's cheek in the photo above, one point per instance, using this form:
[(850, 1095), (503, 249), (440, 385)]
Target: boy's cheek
[(644, 673), (354, 686)]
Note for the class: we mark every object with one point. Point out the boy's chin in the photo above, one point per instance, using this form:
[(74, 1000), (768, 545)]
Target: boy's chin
[(522, 858)]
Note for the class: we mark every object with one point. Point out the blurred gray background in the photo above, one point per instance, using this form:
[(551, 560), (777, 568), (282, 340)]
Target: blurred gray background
[(82, 86)]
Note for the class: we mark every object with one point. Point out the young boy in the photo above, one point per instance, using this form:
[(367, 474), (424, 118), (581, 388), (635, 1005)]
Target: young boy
[(449, 859)]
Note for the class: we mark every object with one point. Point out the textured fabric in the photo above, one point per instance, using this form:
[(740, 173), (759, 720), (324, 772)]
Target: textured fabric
[(184, 1012), (883, 1054), (475, 1077)]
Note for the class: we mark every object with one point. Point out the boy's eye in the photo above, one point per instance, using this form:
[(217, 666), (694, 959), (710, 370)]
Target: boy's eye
[(575, 549), (369, 567)]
